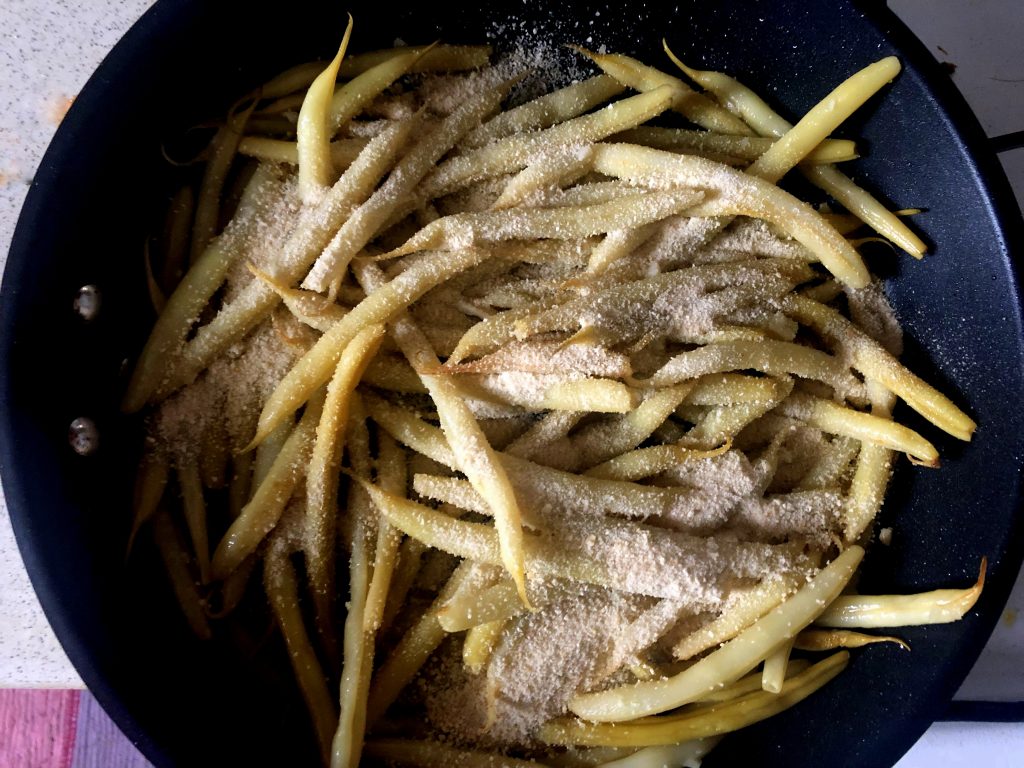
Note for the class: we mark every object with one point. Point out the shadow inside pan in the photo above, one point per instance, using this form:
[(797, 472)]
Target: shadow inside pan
[(103, 181)]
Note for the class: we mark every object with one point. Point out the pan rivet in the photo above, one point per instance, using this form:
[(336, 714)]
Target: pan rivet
[(87, 302), (83, 436)]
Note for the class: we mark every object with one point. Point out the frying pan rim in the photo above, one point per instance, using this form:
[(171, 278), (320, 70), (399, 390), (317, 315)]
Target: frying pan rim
[(966, 130)]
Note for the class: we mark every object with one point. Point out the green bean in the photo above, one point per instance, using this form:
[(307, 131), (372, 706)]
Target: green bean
[(195, 515), (223, 149), (281, 585), (175, 558), (313, 231), (261, 514)]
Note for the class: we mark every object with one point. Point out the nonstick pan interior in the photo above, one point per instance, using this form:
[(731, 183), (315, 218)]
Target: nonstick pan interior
[(103, 180)]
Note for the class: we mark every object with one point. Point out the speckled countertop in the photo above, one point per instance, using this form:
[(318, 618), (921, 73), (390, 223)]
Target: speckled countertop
[(49, 48)]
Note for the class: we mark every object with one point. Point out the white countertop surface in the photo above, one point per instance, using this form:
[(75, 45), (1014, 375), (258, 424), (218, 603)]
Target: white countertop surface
[(49, 48)]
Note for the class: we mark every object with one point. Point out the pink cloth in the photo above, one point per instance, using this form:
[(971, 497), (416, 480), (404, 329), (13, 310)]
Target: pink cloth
[(61, 729), (38, 728)]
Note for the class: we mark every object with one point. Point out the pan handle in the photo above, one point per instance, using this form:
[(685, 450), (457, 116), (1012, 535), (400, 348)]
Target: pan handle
[(1007, 141)]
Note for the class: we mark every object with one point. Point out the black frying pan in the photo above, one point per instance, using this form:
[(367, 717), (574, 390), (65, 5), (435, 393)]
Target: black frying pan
[(96, 195)]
